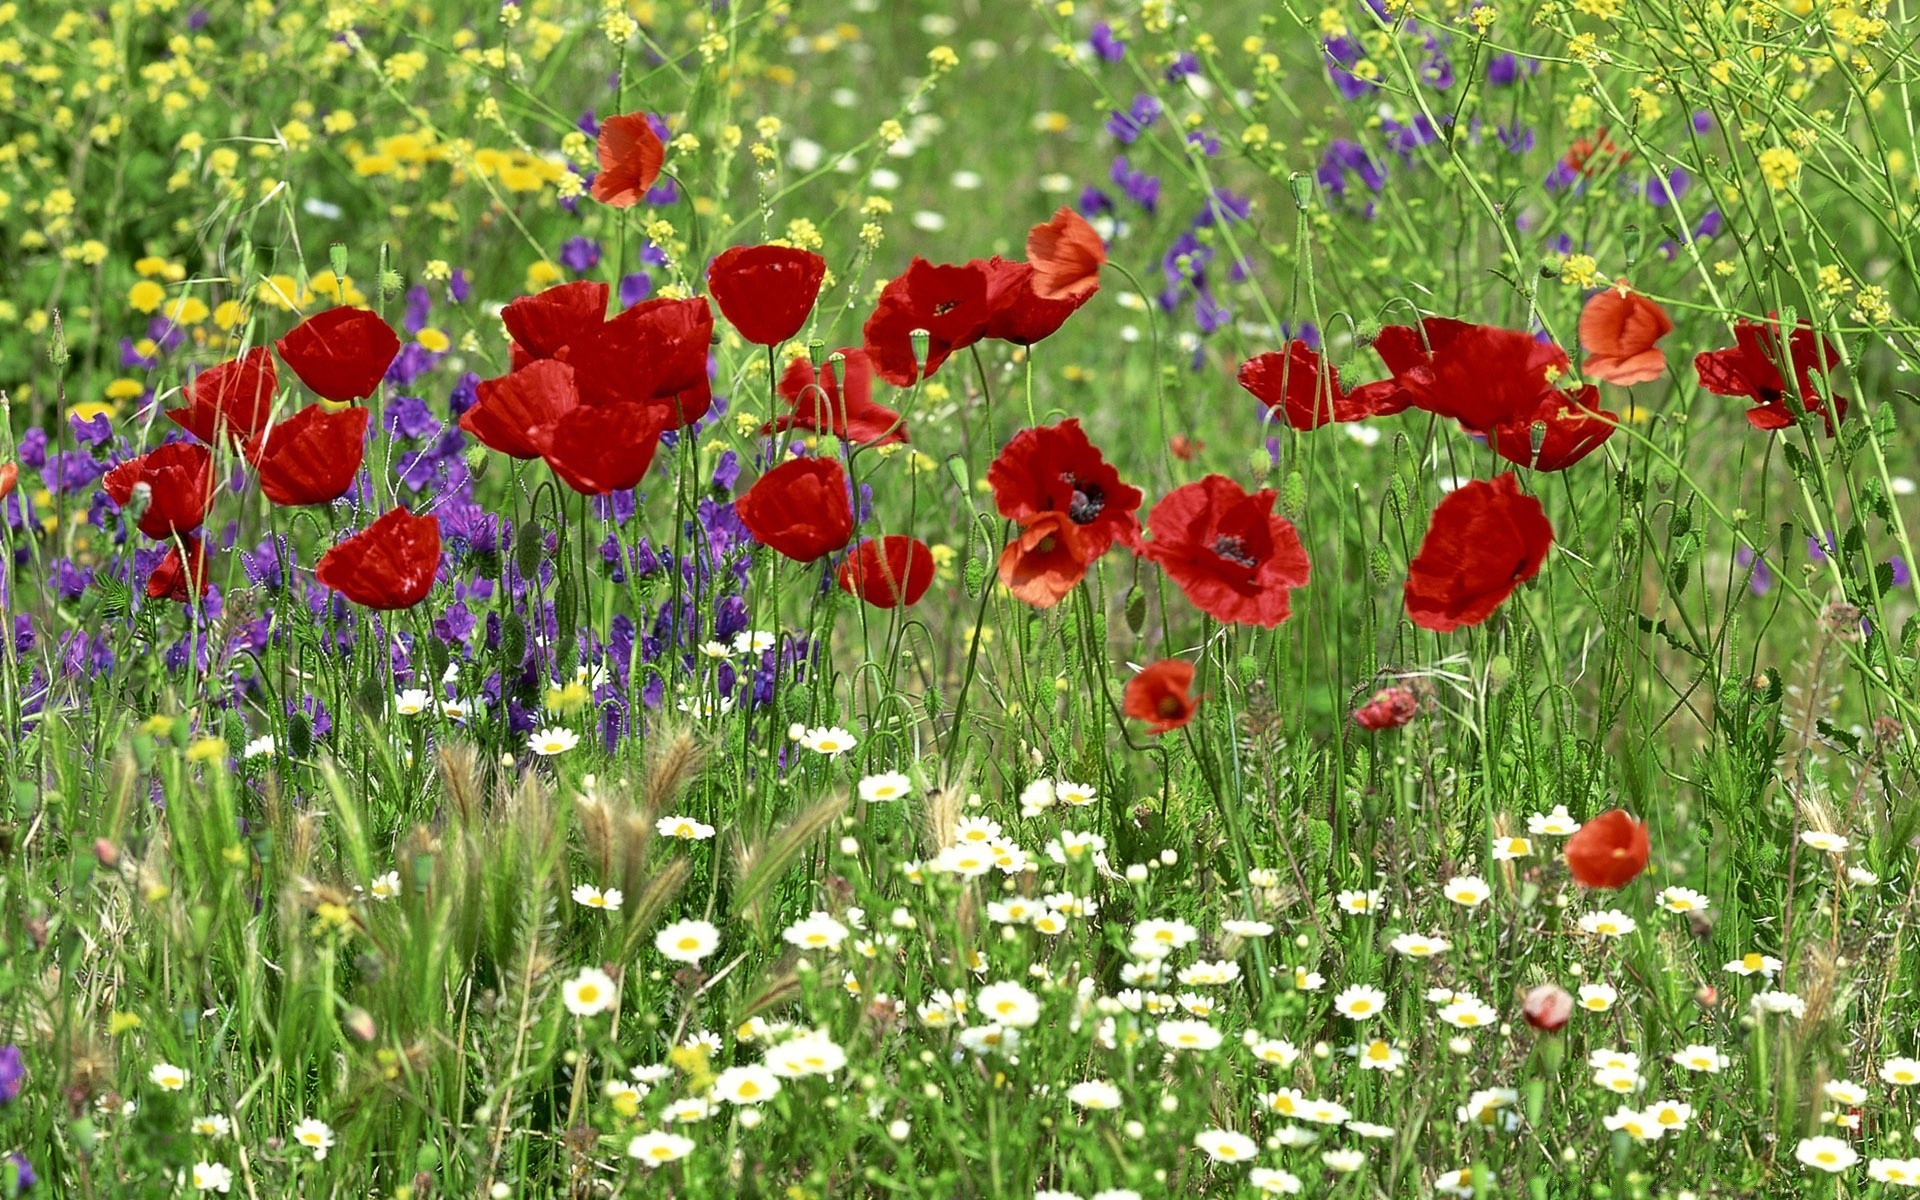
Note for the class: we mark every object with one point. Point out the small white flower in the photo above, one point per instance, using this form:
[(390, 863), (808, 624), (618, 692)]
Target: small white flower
[(1845, 1091), (1609, 923), (1358, 902), (1707, 1059), (831, 741), (1901, 1072), (1681, 900), (549, 742), (1415, 945), (1360, 1002), (817, 932), (1597, 997), (590, 896), (315, 1135), (1558, 823), (1096, 1094), (1755, 964), (687, 941), (412, 702), (212, 1177), (1468, 891), (1008, 1004), (212, 1125), (746, 1085), (1828, 1154), (1272, 1181), (385, 887), (589, 993), (685, 828), (167, 1077), (1508, 849), (1225, 1145), (1344, 1162), (1832, 843), (657, 1148), (1247, 929), (1777, 1003), (888, 785), (259, 747), (1188, 1035)]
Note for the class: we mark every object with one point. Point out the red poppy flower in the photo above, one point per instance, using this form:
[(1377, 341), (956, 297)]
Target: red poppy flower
[(1588, 155), (1609, 851), (180, 579), (543, 323), (800, 508), (1067, 256), (654, 353), (631, 156), (507, 410), (1751, 367), (1054, 468), (1484, 540), (388, 565), (948, 302), (1294, 384), (1482, 376), (893, 572), (1547, 1007), (1162, 695), (311, 457), (179, 479), (837, 399), (1390, 708), (341, 354), (1618, 329), (767, 292), (1046, 560), (601, 448), (1184, 448), (1567, 426), (1235, 559), (236, 396), (9, 475), (1019, 313)]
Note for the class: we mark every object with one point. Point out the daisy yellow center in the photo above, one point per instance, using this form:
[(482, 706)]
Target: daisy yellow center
[(749, 1089), (1360, 1006), (589, 993), (1752, 962), (689, 943)]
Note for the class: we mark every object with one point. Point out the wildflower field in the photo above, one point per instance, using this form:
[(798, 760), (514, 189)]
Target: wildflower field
[(1094, 600)]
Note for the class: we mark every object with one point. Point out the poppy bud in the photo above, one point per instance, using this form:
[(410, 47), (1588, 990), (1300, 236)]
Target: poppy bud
[(57, 352), (1294, 496), (360, 1023), (1260, 464), (107, 853), (1707, 996), (1136, 609), (974, 575), (337, 259), (1380, 565), (1499, 672), (1548, 1007), (1397, 498), (960, 473), (1301, 185), (1632, 241)]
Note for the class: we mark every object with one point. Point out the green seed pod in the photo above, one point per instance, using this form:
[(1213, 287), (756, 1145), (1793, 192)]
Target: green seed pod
[(513, 640), (529, 547), (1301, 185), (1293, 497), (299, 735), (1260, 464), (1499, 672), (975, 576), (1136, 609), (337, 259), (1380, 565), (960, 473), (1397, 498)]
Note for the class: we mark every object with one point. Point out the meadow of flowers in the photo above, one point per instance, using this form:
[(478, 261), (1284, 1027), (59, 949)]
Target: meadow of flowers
[(1086, 600)]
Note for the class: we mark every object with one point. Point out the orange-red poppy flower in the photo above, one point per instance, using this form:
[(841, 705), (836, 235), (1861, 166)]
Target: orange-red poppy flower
[(800, 508), (1390, 708), (236, 396), (389, 565), (631, 155), (891, 572), (1235, 558), (179, 481), (510, 408), (1162, 695), (180, 579), (1066, 255), (1484, 540), (836, 399), (342, 354), (311, 457), (1045, 561), (543, 324), (766, 292), (9, 475), (601, 448), (1618, 329), (1609, 851)]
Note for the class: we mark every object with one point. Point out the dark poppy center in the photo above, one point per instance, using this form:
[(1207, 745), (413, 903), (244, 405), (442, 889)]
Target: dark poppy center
[(1088, 500), (1169, 706), (1231, 548), (944, 307)]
